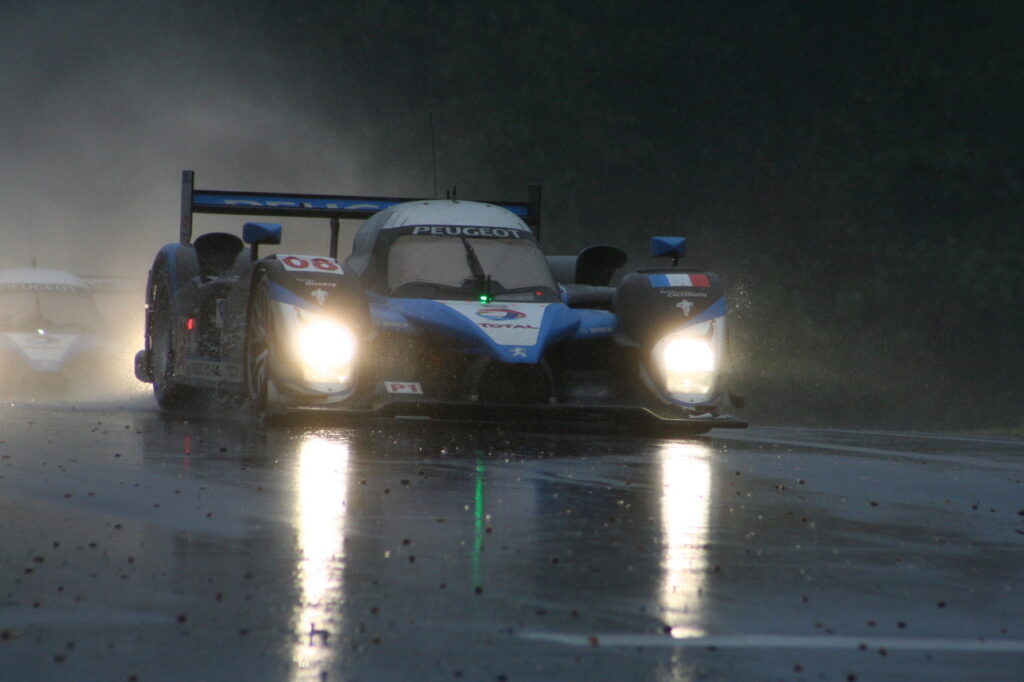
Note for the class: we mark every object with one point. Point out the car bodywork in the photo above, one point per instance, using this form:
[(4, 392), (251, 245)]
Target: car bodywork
[(51, 332), (443, 308)]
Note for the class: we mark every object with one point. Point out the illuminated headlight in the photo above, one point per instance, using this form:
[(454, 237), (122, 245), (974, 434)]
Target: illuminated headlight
[(327, 350), (687, 364)]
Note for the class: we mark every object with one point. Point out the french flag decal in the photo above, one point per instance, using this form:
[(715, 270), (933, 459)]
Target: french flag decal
[(691, 279)]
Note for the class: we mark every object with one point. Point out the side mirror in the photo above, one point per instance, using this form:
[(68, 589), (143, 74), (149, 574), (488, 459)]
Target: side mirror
[(670, 247), (261, 233), (563, 268), (596, 265), (255, 234)]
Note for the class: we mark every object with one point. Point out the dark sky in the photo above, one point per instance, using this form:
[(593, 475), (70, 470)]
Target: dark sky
[(645, 108), (103, 105)]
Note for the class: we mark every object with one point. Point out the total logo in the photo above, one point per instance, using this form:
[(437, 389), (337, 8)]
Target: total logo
[(500, 314)]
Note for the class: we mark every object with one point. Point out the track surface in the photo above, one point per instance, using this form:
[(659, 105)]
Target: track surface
[(137, 547)]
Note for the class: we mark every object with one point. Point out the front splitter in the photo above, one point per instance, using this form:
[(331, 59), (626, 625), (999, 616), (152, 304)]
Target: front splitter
[(480, 412)]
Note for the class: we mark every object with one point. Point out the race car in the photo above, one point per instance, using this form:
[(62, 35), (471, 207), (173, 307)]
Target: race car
[(51, 332), (443, 309)]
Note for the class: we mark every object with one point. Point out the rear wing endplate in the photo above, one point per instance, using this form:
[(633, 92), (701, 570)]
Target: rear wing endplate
[(335, 207)]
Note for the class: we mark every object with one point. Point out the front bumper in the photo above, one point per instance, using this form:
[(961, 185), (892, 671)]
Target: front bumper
[(501, 413)]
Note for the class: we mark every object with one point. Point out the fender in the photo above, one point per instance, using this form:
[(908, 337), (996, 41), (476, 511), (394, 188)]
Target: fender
[(178, 265), (320, 285), (650, 303)]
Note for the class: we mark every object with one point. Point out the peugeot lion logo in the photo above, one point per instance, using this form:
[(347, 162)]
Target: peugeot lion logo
[(498, 314)]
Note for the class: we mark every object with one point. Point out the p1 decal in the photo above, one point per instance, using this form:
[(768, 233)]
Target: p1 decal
[(500, 314), (405, 387), (294, 263)]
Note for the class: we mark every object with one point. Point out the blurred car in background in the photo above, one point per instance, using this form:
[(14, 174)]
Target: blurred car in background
[(52, 336)]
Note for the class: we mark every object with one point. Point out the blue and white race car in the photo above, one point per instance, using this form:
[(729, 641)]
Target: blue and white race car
[(51, 333), (444, 308)]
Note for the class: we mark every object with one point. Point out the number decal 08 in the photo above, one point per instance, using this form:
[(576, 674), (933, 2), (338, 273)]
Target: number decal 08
[(307, 263)]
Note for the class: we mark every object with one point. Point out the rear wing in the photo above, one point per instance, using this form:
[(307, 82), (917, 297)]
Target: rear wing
[(334, 207)]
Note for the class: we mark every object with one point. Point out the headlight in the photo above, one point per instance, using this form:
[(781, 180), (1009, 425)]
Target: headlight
[(326, 349), (687, 364)]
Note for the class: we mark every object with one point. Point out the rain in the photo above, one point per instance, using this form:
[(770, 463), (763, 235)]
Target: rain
[(849, 175)]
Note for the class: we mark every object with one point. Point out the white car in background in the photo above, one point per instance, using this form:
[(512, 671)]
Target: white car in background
[(51, 332)]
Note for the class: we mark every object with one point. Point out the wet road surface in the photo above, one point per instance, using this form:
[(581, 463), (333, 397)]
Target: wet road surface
[(137, 547)]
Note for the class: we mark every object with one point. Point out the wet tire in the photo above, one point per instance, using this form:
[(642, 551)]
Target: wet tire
[(257, 345), (170, 395)]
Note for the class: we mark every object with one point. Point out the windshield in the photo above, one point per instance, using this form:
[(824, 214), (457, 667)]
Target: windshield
[(462, 268), (53, 310)]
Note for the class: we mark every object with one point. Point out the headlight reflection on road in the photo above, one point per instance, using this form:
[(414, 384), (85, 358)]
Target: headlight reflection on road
[(685, 496), (320, 514)]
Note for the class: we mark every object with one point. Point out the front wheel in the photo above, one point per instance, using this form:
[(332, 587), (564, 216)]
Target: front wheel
[(257, 345)]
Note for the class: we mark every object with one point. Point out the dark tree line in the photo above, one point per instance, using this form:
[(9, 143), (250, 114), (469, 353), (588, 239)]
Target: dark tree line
[(853, 170)]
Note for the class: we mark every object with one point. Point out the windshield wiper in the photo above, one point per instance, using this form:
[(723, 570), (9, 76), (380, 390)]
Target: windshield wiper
[(482, 278)]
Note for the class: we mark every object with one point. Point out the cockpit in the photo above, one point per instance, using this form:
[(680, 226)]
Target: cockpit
[(461, 267)]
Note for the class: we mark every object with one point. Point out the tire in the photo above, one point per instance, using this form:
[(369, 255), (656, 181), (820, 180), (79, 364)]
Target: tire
[(257, 345), (170, 395)]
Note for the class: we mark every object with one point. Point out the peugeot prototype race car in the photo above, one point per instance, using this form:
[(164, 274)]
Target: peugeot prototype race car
[(444, 308)]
